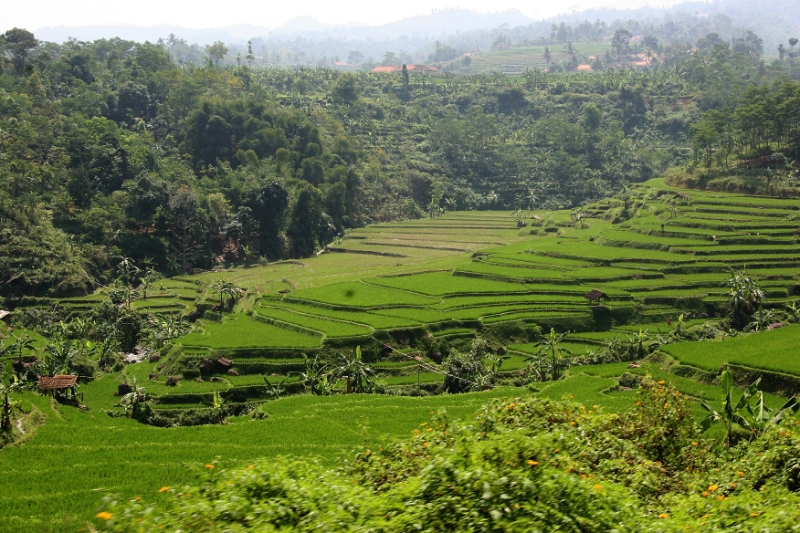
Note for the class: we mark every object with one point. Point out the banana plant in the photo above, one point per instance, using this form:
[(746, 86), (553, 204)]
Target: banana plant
[(494, 362), (216, 403), (135, 400), (763, 417), (732, 413), (550, 351), (8, 406), (275, 391), (314, 376)]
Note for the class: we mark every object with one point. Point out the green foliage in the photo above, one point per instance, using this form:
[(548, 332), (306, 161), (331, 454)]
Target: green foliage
[(733, 413), (519, 465)]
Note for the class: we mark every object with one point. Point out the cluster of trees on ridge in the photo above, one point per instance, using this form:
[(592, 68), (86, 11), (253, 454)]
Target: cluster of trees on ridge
[(111, 150)]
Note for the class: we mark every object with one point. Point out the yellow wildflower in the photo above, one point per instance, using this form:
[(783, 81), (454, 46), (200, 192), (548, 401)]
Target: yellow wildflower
[(712, 488), (163, 489), (661, 382), (663, 515), (105, 515), (210, 467), (531, 462), (598, 487), (740, 473), (705, 494)]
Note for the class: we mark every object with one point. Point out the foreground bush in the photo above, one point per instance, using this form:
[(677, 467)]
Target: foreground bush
[(519, 465)]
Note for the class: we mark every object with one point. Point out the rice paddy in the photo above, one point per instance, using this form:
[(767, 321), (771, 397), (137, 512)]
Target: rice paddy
[(445, 280)]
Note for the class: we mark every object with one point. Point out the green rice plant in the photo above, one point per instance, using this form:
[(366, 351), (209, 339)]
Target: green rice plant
[(533, 316), (462, 302), (427, 316), (608, 370), (768, 350), (532, 260), (619, 236), (424, 377), (516, 272), (159, 303), (367, 318), (123, 457), (331, 328), (361, 295), (244, 332), (589, 251), (445, 283), (581, 388)]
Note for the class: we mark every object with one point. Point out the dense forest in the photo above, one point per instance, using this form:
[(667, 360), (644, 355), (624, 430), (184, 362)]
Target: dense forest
[(113, 151)]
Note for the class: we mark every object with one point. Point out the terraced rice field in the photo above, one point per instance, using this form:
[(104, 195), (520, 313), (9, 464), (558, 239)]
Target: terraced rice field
[(470, 268), (444, 280)]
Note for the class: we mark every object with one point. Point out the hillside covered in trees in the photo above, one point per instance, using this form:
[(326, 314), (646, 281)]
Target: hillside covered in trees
[(112, 150)]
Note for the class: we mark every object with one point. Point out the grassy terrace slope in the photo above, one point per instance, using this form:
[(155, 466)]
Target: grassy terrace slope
[(452, 275), (443, 280), (56, 480)]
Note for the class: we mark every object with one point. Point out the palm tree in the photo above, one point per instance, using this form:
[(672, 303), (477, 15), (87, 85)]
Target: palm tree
[(8, 384), (745, 296), (127, 270), (273, 390), (314, 376), (579, 216), (58, 359), (249, 253), (550, 353), (164, 329), (761, 319), (494, 362), (21, 344), (358, 374), (150, 277), (216, 404), (135, 400), (226, 289)]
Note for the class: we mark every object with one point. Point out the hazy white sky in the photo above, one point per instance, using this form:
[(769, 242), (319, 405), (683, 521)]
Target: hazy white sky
[(35, 14)]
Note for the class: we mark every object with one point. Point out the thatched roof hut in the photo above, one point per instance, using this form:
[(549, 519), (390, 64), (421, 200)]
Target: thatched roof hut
[(595, 296), (54, 384)]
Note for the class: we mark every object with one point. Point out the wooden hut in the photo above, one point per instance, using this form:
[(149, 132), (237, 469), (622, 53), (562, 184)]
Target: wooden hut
[(595, 296), (5, 316), (52, 385)]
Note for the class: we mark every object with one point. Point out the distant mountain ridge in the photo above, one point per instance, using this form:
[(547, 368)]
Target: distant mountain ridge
[(775, 21), (438, 23)]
